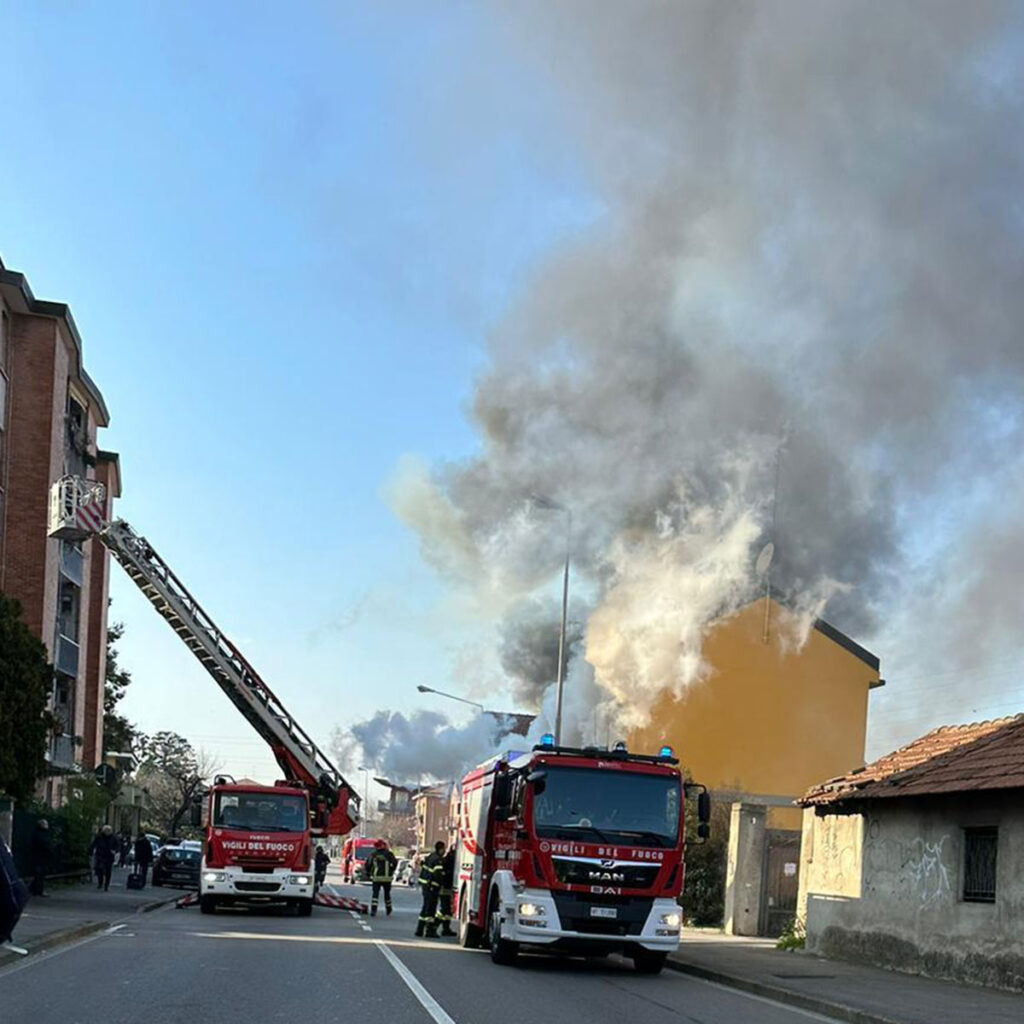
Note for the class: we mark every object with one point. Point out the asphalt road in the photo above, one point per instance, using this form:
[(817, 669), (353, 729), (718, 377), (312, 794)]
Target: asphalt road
[(243, 967)]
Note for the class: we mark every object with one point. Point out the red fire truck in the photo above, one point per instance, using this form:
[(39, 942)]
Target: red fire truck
[(354, 855), (573, 850), (258, 846)]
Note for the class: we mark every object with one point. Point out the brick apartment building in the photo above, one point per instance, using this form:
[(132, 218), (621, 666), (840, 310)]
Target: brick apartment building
[(50, 411)]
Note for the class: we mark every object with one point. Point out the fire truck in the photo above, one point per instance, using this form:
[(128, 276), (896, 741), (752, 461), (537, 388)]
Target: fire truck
[(259, 839), (575, 851)]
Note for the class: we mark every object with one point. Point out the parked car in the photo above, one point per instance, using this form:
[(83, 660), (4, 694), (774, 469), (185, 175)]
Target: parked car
[(403, 871), (178, 864)]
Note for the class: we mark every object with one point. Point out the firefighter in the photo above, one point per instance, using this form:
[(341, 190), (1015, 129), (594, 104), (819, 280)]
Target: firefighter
[(430, 886), (380, 870), (444, 903)]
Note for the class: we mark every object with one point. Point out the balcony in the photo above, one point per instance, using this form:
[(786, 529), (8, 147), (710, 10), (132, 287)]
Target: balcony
[(72, 563), (398, 808), (61, 755), (66, 660)]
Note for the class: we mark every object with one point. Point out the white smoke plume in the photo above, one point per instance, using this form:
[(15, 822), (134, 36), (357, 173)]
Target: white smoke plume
[(797, 319)]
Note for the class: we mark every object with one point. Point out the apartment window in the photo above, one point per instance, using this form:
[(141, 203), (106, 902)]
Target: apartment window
[(980, 845)]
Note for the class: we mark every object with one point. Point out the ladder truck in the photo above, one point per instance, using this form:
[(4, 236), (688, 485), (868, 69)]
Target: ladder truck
[(259, 839)]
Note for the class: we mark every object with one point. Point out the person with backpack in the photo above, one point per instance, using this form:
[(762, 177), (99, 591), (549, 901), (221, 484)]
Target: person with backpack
[(143, 858), (380, 870)]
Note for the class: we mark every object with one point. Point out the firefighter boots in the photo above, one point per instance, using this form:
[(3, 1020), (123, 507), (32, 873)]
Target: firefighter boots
[(419, 930), (446, 929)]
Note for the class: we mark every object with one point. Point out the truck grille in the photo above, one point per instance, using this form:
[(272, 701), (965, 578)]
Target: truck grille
[(257, 886), (574, 913), (586, 872)]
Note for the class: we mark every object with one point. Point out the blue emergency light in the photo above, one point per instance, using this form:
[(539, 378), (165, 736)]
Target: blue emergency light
[(665, 751), (548, 739)]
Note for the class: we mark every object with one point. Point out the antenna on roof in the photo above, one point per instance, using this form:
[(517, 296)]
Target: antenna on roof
[(764, 559)]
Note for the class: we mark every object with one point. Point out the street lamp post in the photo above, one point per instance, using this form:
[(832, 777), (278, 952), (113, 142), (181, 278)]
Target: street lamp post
[(554, 506), (366, 800), (450, 696)]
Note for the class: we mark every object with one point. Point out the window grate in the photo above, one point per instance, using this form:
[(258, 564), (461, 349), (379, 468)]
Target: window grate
[(980, 846)]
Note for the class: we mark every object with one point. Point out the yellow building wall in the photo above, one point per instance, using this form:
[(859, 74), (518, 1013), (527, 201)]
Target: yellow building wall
[(769, 720)]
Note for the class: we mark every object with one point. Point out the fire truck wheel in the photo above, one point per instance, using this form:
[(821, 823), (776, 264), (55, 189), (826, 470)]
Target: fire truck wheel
[(502, 950), (207, 904), (304, 908), (647, 962), (470, 935)]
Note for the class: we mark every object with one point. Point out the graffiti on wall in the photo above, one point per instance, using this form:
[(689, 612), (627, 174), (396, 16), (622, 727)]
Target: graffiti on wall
[(917, 870)]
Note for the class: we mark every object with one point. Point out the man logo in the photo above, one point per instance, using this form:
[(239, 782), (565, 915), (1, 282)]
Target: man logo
[(606, 876), (607, 863)]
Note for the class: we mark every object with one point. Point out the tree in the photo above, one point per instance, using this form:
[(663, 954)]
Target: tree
[(119, 734), (26, 678), (174, 774)]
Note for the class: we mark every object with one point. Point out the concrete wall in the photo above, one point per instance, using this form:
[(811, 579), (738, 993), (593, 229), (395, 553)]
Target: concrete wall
[(830, 857), (771, 718), (909, 914)]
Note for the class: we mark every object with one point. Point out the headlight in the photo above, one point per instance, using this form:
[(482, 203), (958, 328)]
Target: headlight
[(673, 919), (214, 876), (531, 910), (299, 879)]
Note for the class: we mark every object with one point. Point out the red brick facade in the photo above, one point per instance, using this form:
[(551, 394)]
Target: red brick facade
[(50, 419)]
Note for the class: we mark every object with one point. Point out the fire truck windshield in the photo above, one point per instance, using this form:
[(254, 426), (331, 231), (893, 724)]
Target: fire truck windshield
[(625, 807), (260, 812)]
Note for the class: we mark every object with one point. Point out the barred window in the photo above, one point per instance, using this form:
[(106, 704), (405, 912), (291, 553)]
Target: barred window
[(980, 845)]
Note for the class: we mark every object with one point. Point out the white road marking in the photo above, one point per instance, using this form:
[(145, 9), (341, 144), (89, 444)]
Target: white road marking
[(426, 1000), (113, 928)]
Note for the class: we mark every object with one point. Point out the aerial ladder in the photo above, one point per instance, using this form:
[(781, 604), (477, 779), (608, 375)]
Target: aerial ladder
[(76, 513)]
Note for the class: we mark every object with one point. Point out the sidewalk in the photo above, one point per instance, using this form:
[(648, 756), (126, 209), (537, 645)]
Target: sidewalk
[(73, 911), (850, 992)]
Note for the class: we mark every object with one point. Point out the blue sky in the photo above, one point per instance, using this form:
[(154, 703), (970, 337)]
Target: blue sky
[(282, 267)]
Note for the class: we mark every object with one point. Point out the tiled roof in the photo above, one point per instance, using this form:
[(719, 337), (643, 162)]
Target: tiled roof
[(943, 760)]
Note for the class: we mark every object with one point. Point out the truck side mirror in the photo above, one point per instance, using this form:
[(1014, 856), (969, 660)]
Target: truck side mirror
[(502, 792), (703, 830), (704, 807), (539, 781)]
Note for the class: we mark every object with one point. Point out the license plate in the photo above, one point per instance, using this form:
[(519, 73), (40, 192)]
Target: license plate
[(603, 912)]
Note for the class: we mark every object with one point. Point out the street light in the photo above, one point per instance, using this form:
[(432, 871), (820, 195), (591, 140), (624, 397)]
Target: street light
[(450, 696), (366, 800), (550, 505)]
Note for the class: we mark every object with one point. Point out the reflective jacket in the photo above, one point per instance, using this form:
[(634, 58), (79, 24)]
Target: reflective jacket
[(448, 871), (431, 871), (380, 866)]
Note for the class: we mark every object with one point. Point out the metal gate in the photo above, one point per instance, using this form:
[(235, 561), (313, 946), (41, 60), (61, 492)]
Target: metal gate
[(780, 877)]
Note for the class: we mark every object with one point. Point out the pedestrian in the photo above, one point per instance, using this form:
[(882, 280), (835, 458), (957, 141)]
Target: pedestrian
[(13, 897), (104, 852), (430, 886), (123, 843), (143, 857), (380, 869), (320, 865), (444, 900), (42, 850)]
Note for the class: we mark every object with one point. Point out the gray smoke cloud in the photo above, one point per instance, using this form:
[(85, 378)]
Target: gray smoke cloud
[(528, 647), (798, 319)]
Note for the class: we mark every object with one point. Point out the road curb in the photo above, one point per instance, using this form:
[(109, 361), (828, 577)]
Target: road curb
[(157, 904), (840, 1011), (65, 936), (54, 939)]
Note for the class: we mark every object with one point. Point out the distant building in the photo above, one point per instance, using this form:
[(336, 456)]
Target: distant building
[(50, 413), (767, 723), (913, 862), (433, 815), (396, 816)]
